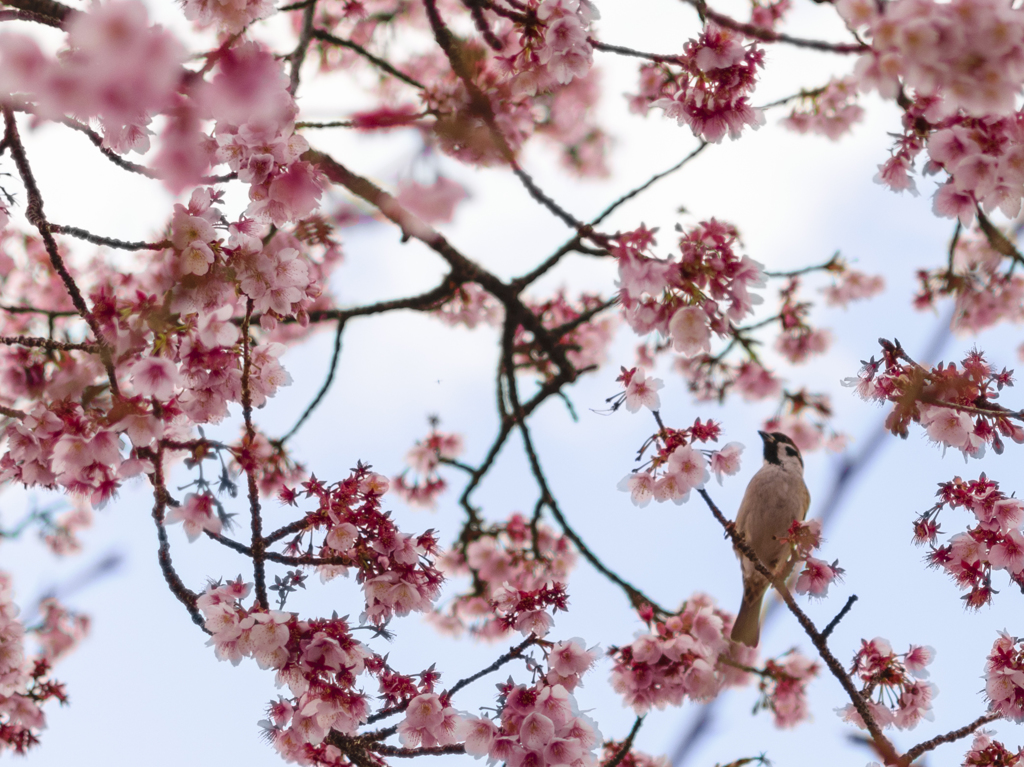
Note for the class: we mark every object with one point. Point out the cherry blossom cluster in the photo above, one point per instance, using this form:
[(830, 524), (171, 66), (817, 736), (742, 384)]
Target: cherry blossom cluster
[(554, 99), (517, 569), (783, 687), (1004, 678), (424, 458), (995, 542), (685, 657), (429, 722), (585, 337), (632, 757), (676, 466), (539, 724), (707, 87), (683, 299), (471, 305), (816, 575), (892, 685), (116, 67), (986, 752), (435, 203), (318, 660), (980, 69), (62, 536), (798, 340), (172, 370), (122, 71), (396, 570), (931, 398), (229, 17), (830, 111), (641, 391), (711, 377), (554, 44), (984, 288), (853, 285), (804, 416), (25, 682), (981, 156)]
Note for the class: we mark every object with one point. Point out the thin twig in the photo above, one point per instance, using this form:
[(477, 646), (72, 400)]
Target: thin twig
[(827, 631), (96, 239), (949, 737), (298, 56), (771, 36), (324, 36), (36, 217), (34, 342), (335, 355)]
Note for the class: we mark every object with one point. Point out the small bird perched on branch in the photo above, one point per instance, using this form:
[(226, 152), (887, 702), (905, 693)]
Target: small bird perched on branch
[(775, 498)]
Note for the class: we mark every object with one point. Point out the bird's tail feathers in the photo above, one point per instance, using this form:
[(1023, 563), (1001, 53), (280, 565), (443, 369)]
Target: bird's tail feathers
[(747, 628)]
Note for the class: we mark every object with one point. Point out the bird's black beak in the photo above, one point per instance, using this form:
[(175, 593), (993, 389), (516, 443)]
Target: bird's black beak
[(765, 436)]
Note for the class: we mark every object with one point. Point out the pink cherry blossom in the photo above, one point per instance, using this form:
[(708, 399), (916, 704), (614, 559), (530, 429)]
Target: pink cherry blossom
[(643, 392), (196, 514), (690, 332), (726, 460), (155, 377)]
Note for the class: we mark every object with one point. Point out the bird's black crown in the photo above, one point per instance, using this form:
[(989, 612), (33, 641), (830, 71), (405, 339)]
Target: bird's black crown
[(776, 445)]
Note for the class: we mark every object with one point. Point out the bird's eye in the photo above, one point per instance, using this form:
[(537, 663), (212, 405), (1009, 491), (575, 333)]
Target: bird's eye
[(791, 451)]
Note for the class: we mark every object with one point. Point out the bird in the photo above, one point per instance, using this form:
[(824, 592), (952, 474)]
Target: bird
[(775, 498)]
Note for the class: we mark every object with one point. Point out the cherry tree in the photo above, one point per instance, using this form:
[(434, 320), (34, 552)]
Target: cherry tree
[(155, 363)]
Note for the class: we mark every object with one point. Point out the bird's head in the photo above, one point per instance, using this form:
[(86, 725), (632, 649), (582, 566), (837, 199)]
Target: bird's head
[(780, 450)]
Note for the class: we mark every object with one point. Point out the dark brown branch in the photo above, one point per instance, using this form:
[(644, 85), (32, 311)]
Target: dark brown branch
[(56, 13), (38, 18), (324, 36), (161, 499), (949, 737), (623, 51), (384, 750), (827, 631), (334, 124), (513, 653), (463, 269), (771, 36), (626, 745), (331, 370), (133, 167), (294, 527), (51, 314), (298, 56), (36, 217), (829, 266), (258, 544), (636, 597), (574, 243), (83, 234), (34, 342), (10, 412)]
